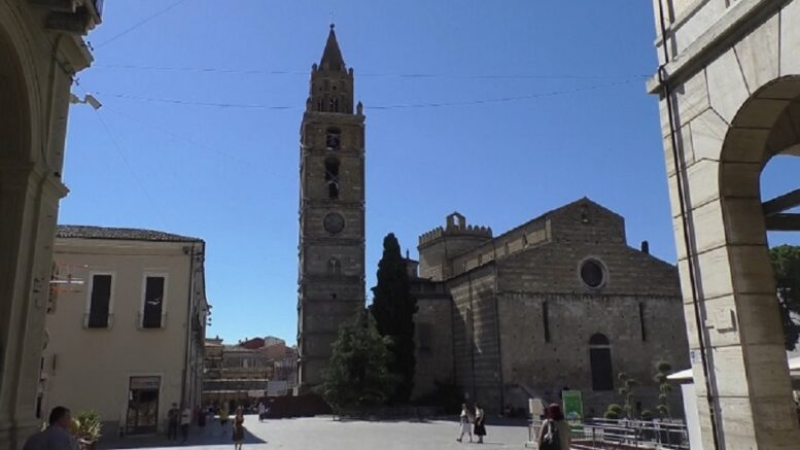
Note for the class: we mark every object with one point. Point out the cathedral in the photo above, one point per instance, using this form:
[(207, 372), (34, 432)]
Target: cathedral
[(331, 249), (560, 302)]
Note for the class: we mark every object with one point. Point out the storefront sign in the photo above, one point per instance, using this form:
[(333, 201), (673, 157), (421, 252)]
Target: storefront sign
[(139, 383)]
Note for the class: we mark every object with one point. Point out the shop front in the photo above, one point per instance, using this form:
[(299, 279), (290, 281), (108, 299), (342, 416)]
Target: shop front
[(142, 417)]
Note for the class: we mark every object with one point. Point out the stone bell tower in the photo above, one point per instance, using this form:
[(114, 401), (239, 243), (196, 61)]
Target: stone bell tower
[(331, 266)]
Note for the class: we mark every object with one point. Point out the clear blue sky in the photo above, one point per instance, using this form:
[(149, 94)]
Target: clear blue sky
[(584, 127)]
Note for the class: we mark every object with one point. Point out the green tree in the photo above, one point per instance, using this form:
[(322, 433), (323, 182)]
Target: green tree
[(393, 307), (626, 391), (786, 265), (663, 370), (357, 373)]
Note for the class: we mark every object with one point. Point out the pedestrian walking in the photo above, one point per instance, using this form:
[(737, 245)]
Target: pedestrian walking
[(480, 423), (262, 410), (56, 436), (465, 423), (186, 420), (173, 419), (238, 429), (555, 433), (223, 418)]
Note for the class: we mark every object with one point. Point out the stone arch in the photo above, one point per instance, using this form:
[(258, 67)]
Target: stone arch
[(16, 136), (741, 308), (767, 125)]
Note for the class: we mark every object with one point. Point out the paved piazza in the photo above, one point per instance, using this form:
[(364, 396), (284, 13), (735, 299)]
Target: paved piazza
[(327, 434)]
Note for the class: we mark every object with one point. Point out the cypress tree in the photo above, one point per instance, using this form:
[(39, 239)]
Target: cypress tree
[(393, 307)]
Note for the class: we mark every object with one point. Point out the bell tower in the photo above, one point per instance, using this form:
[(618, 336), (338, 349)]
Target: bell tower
[(331, 251)]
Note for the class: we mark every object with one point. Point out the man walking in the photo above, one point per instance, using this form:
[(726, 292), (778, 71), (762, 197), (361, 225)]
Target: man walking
[(173, 418), (56, 436)]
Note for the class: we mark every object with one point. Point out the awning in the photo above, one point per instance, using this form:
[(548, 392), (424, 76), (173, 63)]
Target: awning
[(686, 375)]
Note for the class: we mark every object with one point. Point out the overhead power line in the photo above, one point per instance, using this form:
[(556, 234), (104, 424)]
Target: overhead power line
[(371, 107), (140, 23), (220, 70)]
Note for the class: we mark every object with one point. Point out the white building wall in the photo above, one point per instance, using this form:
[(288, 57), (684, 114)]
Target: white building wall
[(90, 369)]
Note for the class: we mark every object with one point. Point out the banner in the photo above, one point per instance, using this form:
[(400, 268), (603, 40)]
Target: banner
[(573, 406)]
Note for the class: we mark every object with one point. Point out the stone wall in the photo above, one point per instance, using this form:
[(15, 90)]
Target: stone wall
[(434, 343), (476, 349), (545, 366)]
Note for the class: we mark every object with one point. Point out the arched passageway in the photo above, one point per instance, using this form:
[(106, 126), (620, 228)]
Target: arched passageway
[(736, 306)]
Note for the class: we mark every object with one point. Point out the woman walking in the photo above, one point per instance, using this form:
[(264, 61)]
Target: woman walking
[(465, 423), (238, 429), (555, 433), (480, 423)]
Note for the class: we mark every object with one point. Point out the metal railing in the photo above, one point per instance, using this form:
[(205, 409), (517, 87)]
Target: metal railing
[(621, 434)]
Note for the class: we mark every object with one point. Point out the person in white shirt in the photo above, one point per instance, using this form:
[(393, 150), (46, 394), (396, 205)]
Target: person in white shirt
[(262, 409), (186, 420), (465, 419)]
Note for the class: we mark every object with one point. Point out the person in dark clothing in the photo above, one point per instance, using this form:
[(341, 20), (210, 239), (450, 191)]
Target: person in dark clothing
[(480, 423), (238, 429), (173, 419), (57, 435)]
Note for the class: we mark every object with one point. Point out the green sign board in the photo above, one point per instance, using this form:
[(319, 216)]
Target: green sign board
[(573, 405)]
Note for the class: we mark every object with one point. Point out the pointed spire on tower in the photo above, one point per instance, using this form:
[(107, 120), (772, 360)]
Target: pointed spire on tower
[(332, 56)]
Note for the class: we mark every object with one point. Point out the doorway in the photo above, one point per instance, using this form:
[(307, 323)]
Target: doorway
[(142, 415)]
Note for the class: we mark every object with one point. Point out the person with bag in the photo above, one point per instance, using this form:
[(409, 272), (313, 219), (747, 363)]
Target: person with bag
[(555, 433)]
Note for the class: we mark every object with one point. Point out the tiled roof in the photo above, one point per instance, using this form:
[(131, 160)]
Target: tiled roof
[(122, 234)]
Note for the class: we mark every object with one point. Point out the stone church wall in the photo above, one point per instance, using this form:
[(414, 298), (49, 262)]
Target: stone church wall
[(434, 339), (638, 308), (475, 336), (545, 366)]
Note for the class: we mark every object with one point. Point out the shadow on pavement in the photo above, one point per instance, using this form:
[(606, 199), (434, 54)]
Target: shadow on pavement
[(197, 438)]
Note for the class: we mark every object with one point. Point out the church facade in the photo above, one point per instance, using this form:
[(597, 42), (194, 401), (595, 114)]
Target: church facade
[(332, 207), (559, 302)]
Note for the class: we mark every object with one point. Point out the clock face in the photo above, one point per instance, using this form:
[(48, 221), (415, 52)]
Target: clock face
[(334, 223)]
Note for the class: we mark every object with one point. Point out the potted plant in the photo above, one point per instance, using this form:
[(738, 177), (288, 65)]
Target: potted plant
[(87, 430)]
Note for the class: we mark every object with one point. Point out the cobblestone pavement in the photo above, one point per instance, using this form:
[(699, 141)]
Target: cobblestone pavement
[(325, 433)]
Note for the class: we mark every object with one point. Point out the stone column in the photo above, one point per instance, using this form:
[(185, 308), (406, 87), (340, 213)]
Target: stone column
[(28, 207)]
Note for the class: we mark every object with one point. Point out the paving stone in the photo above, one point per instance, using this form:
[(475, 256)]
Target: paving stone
[(328, 434)]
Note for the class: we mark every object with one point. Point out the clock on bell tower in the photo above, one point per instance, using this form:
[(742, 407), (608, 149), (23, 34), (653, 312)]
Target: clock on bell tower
[(331, 266)]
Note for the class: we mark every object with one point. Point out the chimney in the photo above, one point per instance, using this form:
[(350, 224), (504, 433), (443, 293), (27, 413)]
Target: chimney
[(645, 247)]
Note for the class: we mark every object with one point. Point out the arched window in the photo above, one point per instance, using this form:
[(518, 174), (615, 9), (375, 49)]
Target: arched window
[(332, 177), (334, 267), (333, 139), (600, 360)]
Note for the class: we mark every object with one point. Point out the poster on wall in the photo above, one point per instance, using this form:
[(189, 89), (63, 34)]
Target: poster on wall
[(573, 406)]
